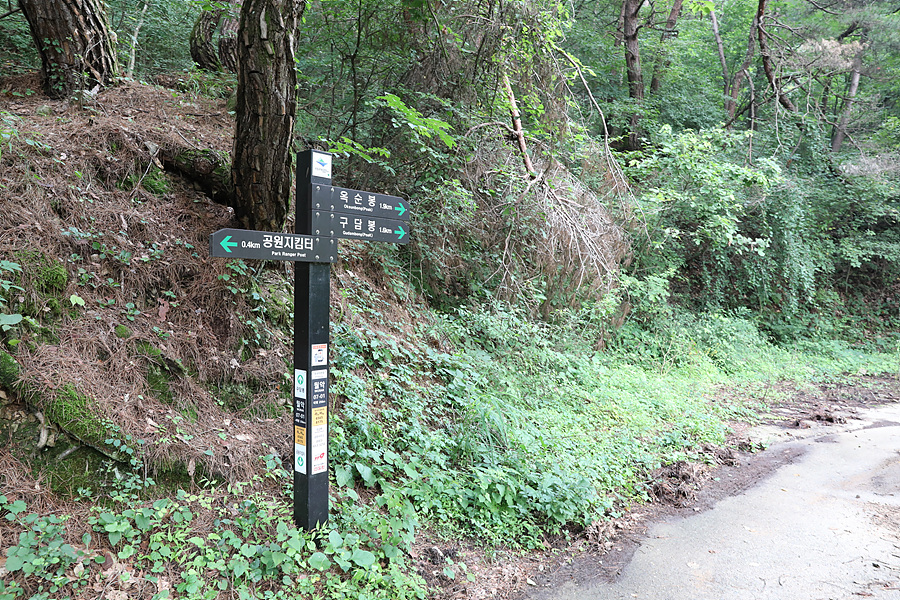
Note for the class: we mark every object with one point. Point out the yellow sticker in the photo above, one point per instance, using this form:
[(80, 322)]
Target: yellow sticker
[(300, 435), (320, 416)]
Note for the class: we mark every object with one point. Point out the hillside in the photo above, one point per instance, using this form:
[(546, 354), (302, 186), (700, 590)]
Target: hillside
[(146, 391)]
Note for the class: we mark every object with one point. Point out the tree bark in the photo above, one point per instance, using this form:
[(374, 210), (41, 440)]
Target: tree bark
[(129, 70), (74, 42), (742, 73), (630, 28), (203, 51), (668, 33), (766, 56), (841, 132), (726, 79), (266, 105), (228, 44), (517, 126)]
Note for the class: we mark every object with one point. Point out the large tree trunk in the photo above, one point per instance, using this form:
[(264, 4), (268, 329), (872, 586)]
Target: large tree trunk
[(266, 104), (73, 40), (630, 28), (203, 51), (228, 33), (228, 44)]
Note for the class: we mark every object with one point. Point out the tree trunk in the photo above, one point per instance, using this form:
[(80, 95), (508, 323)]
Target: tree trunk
[(726, 79), (228, 44), (662, 62), (841, 132), (203, 51), (266, 105), (742, 73), (630, 28), (766, 56), (74, 43), (129, 70)]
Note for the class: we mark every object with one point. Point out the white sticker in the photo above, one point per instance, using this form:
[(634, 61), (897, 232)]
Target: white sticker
[(299, 384), (321, 165), (319, 355), (319, 449), (300, 459), (320, 374)]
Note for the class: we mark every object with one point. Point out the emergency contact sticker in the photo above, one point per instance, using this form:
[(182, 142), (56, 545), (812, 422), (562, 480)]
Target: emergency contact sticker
[(319, 355)]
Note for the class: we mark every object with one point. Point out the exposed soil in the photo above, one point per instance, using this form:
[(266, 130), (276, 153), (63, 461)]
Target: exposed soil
[(603, 550)]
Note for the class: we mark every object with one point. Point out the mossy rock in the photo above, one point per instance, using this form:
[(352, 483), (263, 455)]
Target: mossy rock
[(122, 332), (73, 412)]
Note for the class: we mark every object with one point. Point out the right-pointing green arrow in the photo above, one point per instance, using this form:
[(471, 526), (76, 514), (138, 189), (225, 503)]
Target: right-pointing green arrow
[(226, 244), (400, 232), (401, 209)]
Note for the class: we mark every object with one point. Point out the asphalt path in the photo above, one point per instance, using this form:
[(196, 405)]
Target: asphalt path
[(825, 526)]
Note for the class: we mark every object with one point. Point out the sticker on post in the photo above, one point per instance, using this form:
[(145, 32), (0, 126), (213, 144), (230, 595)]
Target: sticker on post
[(319, 355), (319, 440), (300, 449), (321, 165), (299, 384)]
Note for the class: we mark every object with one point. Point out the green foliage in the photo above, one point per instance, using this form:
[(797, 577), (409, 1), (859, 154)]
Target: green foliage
[(7, 288), (162, 45), (252, 546), (421, 126), (41, 553)]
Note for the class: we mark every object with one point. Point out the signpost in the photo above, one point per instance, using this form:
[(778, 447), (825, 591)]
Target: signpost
[(324, 214)]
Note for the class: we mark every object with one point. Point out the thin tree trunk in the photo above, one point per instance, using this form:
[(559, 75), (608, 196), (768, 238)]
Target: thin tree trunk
[(743, 72), (841, 131), (662, 62), (74, 43), (129, 70), (726, 79), (266, 105), (517, 126), (766, 56)]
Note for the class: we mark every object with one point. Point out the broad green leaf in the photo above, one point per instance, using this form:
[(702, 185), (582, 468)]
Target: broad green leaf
[(319, 561)]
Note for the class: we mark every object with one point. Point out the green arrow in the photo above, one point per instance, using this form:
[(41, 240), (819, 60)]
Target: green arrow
[(401, 209), (400, 232), (225, 243)]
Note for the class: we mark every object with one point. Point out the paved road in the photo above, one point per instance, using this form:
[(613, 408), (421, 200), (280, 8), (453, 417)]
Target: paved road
[(826, 526)]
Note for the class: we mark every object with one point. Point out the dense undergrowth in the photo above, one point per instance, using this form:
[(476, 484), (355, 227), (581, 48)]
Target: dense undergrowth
[(480, 422)]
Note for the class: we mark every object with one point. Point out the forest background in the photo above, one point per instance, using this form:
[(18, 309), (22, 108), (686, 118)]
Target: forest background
[(629, 220)]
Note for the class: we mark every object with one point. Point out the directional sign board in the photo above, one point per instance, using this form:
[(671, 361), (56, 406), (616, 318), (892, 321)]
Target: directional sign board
[(324, 214), (264, 245), (357, 227), (355, 202)]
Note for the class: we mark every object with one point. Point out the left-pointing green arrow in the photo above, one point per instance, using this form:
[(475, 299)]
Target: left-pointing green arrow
[(226, 244), (400, 232)]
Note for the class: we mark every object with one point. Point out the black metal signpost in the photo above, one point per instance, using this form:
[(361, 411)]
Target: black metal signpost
[(324, 213)]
